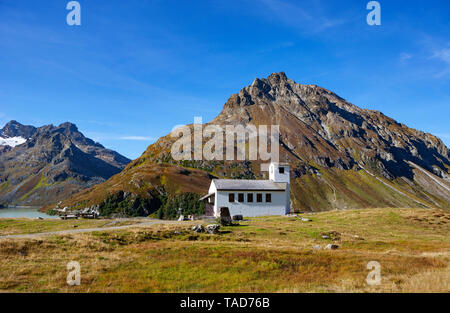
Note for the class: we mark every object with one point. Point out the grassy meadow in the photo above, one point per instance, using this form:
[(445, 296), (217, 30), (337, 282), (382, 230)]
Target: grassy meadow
[(265, 254), (19, 226)]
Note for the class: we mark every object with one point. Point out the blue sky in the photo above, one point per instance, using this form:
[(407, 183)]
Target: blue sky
[(134, 69)]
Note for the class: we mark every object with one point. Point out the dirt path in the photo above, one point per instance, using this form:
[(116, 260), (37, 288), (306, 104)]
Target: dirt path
[(86, 230)]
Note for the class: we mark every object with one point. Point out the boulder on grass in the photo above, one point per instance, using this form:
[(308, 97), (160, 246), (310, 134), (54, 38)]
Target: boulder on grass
[(213, 229), (333, 235), (238, 217), (331, 247), (198, 228)]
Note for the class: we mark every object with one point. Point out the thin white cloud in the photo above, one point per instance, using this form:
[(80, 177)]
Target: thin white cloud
[(442, 54), (100, 136), (433, 57), (137, 138), (405, 56), (100, 123), (305, 16), (282, 45)]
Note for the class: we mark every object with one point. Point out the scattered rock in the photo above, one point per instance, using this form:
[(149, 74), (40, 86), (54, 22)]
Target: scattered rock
[(331, 247), (213, 229), (238, 217), (333, 235), (304, 219), (317, 247), (198, 228)]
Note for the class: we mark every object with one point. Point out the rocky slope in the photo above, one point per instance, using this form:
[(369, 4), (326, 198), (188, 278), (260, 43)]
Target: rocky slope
[(50, 163), (341, 156)]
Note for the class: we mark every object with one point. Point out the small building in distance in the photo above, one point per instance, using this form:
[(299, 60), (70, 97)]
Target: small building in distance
[(251, 197)]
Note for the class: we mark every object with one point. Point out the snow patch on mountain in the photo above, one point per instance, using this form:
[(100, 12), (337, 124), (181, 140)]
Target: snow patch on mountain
[(12, 141)]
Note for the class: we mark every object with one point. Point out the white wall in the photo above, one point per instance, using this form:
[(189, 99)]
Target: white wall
[(276, 176), (276, 207)]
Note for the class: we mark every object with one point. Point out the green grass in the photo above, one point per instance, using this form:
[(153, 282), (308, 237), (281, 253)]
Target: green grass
[(4, 185), (42, 183)]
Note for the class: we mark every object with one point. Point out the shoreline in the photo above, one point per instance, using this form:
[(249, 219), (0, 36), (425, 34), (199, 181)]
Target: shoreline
[(19, 207)]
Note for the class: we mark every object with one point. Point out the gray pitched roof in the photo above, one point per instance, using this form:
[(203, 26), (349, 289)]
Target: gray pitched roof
[(244, 184)]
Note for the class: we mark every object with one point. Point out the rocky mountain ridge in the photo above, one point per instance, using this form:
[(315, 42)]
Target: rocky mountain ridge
[(52, 163)]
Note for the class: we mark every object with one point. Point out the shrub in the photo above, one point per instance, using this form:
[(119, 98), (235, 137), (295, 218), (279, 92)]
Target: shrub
[(165, 206)]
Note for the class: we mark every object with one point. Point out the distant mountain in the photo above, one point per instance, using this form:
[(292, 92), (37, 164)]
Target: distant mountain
[(14, 134), (49, 163), (341, 156), (15, 129)]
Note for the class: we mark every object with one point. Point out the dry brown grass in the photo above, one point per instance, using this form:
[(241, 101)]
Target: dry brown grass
[(430, 281), (18, 226), (272, 254)]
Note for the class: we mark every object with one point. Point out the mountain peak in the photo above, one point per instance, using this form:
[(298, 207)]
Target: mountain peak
[(69, 126), (272, 79), (16, 129), (275, 88), (277, 77), (12, 124)]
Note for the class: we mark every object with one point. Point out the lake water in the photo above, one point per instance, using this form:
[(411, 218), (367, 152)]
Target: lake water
[(26, 212)]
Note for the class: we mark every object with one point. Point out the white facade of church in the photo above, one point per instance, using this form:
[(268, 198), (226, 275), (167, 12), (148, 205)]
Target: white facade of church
[(251, 197)]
